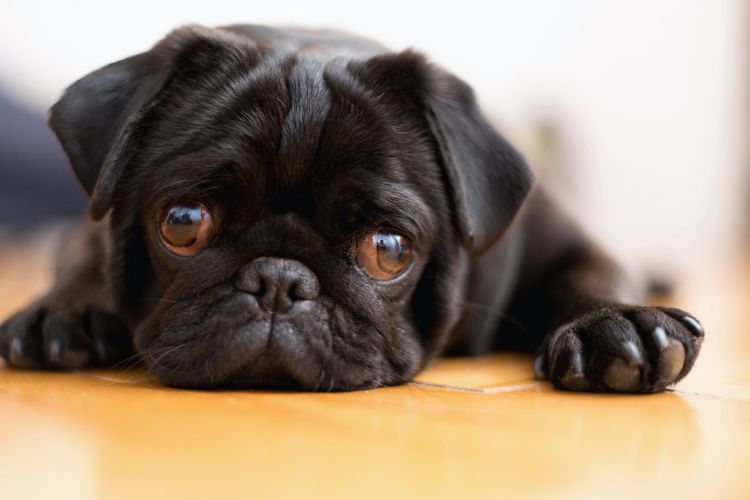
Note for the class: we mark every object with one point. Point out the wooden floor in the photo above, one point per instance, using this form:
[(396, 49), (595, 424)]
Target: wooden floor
[(478, 428)]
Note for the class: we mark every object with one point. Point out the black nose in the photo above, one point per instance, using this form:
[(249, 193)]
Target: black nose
[(277, 283)]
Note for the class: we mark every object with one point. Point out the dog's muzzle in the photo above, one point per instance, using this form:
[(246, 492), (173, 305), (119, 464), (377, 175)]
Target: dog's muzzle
[(278, 284)]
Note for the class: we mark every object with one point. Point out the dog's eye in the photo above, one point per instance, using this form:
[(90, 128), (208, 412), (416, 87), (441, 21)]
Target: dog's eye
[(383, 255), (185, 229)]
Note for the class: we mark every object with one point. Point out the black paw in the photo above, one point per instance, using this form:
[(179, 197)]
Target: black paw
[(622, 349), (46, 336)]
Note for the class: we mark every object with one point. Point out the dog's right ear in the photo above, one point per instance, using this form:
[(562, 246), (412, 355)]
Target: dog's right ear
[(97, 122), (101, 118)]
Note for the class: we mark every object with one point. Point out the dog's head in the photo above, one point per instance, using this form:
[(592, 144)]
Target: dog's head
[(283, 219)]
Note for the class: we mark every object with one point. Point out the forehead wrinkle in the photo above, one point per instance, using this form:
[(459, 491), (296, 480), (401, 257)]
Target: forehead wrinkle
[(260, 90), (272, 69), (351, 90), (309, 105), (356, 125), (251, 102), (199, 90)]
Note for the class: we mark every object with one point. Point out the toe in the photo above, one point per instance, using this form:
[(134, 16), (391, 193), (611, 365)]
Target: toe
[(574, 378), (625, 373), (20, 344), (22, 353), (568, 362), (61, 355), (65, 341), (671, 362), (623, 377)]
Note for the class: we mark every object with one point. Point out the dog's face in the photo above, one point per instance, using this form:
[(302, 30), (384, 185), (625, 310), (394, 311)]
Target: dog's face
[(282, 220)]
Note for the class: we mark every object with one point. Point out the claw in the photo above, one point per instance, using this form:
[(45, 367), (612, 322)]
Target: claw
[(660, 338), (632, 353), (101, 349), (574, 379), (696, 327), (16, 352), (540, 372), (54, 352)]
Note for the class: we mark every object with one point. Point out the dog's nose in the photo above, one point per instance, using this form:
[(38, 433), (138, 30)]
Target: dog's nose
[(277, 283)]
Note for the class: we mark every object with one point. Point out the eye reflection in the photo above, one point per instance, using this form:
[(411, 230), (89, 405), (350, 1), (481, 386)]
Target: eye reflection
[(384, 256), (185, 229)]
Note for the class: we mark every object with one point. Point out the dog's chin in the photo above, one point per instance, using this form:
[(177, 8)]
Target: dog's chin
[(225, 340)]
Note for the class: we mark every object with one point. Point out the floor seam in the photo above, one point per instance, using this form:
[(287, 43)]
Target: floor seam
[(480, 390)]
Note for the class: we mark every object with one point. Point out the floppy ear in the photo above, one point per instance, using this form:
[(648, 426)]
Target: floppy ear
[(101, 118), (97, 122), (487, 177)]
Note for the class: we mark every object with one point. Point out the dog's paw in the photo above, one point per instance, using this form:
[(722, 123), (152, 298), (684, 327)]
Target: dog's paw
[(54, 337), (622, 349)]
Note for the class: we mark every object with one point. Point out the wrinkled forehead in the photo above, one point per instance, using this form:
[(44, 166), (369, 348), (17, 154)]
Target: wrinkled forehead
[(281, 131)]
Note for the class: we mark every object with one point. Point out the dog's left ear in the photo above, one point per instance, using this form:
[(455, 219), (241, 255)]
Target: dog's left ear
[(488, 178)]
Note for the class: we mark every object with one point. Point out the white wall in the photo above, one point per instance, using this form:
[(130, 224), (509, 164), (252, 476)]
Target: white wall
[(651, 95)]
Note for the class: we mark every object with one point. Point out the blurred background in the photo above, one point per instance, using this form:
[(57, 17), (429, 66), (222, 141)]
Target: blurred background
[(635, 112)]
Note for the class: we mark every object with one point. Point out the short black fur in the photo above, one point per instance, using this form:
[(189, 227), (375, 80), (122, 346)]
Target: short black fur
[(301, 143)]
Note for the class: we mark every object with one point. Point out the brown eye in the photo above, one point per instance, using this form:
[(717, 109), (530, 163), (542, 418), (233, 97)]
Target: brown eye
[(185, 229), (383, 255)]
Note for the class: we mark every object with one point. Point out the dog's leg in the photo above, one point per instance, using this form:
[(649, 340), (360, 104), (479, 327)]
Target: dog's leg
[(598, 335), (72, 326)]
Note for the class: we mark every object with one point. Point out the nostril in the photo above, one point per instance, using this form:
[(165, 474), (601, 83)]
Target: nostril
[(277, 283), (250, 282)]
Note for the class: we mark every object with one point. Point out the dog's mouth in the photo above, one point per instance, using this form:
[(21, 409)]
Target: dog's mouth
[(228, 341)]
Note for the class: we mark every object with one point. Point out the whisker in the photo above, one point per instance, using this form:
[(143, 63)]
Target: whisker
[(136, 357), (168, 351)]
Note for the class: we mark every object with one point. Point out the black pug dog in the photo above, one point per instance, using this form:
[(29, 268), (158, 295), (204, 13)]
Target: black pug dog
[(305, 209)]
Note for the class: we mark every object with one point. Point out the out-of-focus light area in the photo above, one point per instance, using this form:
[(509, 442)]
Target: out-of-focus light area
[(635, 112)]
